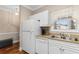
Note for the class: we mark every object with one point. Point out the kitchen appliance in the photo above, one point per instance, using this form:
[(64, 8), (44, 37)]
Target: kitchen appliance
[(30, 29), (45, 30)]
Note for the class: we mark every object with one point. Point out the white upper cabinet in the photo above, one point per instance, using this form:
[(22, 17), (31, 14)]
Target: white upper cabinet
[(42, 17)]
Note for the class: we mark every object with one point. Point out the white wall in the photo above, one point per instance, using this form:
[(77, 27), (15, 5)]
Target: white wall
[(9, 23), (24, 15), (58, 11)]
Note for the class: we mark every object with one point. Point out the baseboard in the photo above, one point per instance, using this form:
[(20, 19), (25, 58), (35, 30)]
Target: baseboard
[(20, 49), (15, 41), (8, 33)]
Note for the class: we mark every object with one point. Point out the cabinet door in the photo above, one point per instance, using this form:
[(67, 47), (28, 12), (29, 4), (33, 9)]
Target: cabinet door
[(53, 48), (69, 52), (41, 46), (41, 17), (28, 43), (44, 18)]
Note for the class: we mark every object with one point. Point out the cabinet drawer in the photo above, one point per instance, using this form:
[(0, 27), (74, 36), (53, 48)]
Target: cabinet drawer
[(67, 50), (54, 42), (68, 45), (64, 44)]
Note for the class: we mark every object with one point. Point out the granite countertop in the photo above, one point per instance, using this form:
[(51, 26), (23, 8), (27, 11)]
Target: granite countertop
[(59, 39), (44, 36)]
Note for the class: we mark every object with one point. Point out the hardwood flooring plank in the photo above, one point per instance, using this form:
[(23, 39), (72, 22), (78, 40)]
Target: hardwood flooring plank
[(14, 49)]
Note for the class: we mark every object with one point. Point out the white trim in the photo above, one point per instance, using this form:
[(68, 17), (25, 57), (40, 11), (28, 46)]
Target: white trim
[(33, 9), (11, 8), (20, 49), (9, 33), (15, 41)]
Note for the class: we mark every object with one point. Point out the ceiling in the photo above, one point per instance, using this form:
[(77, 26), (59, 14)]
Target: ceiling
[(10, 7), (30, 7), (33, 7)]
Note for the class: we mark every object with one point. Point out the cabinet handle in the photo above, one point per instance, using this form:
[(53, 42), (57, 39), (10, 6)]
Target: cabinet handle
[(36, 53), (61, 49), (39, 20)]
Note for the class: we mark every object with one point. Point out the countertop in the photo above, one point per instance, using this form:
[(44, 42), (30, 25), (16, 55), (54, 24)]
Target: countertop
[(59, 39)]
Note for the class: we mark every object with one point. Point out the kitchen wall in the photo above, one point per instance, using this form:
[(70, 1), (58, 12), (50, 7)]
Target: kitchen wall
[(58, 11), (24, 13), (52, 8), (9, 22)]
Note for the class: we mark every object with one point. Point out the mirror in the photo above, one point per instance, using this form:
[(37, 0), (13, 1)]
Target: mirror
[(65, 23)]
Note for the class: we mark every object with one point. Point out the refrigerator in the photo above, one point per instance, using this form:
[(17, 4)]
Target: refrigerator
[(30, 29)]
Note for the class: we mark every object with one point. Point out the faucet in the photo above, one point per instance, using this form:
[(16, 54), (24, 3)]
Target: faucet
[(62, 36), (69, 36)]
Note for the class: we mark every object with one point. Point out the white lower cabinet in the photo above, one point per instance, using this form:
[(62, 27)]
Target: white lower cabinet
[(66, 50), (47, 46), (53, 49), (56, 47), (41, 46)]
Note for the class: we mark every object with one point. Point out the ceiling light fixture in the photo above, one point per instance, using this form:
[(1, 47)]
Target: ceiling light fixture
[(17, 11)]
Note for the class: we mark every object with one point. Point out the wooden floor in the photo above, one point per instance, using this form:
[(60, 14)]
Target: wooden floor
[(14, 49)]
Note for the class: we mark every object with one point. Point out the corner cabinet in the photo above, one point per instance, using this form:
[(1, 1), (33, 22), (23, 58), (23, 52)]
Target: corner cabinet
[(41, 46), (42, 17)]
